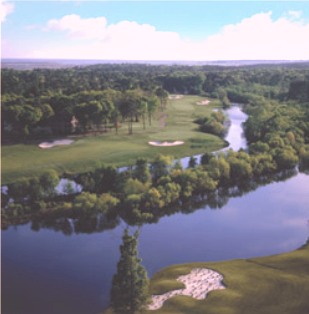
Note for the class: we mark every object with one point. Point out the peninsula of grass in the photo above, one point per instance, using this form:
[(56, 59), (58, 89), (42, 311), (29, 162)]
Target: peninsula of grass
[(277, 284), (174, 124)]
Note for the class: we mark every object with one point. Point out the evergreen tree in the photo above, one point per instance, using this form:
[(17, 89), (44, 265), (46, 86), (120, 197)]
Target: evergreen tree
[(129, 293)]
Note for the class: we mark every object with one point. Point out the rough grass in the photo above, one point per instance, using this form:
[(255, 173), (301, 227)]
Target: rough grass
[(276, 284), (86, 152)]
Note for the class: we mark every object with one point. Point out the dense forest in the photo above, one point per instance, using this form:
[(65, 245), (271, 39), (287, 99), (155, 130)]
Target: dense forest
[(99, 98), (44, 102)]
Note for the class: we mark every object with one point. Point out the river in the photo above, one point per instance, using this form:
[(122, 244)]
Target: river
[(48, 272)]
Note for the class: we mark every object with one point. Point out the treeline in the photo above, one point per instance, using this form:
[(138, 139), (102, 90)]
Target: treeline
[(51, 102), (175, 79), (84, 112)]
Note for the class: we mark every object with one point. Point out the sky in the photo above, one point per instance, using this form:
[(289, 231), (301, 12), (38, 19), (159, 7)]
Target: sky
[(155, 30)]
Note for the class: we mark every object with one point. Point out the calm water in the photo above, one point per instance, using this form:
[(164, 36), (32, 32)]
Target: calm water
[(47, 272), (235, 135)]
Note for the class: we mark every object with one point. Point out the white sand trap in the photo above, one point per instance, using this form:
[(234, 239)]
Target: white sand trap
[(203, 102), (176, 143), (45, 145), (175, 97), (198, 283)]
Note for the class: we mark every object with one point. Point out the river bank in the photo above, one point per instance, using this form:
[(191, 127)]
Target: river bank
[(273, 285)]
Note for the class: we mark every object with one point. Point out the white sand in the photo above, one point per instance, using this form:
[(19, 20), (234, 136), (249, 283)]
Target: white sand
[(45, 145), (175, 97), (198, 283), (176, 143), (203, 102)]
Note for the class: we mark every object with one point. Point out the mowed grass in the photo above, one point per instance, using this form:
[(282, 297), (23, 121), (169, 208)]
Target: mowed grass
[(276, 284), (26, 160)]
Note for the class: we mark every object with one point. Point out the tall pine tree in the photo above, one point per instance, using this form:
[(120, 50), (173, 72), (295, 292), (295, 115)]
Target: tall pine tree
[(129, 294)]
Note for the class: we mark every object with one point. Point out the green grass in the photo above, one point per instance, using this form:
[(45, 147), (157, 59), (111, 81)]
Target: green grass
[(276, 284), (86, 152)]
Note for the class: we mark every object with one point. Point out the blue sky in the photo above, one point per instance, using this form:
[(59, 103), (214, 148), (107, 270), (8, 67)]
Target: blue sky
[(155, 30)]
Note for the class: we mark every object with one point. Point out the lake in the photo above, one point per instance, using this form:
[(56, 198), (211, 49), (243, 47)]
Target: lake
[(48, 272)]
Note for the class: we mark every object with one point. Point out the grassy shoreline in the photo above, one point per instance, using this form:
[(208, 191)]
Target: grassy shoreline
[(272, 284), (26, 160)]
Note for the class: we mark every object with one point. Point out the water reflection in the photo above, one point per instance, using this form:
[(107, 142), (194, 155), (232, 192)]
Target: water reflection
[(235, 136), (272, 219), (67, 186)]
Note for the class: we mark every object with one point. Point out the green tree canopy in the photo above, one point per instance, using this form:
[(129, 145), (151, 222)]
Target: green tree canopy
[(129, 293)]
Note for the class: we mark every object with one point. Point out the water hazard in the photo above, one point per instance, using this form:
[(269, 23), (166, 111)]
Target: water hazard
[(49, 272)]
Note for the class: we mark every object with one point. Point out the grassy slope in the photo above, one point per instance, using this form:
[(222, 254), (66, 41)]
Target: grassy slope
[(122, 149), (276, 284)]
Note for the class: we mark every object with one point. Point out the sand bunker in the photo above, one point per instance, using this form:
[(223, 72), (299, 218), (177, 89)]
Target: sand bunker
[(203, 102), (198, 283), (176, 143), (45, 145), (175, 97)]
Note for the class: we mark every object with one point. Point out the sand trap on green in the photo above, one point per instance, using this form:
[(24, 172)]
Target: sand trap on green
[(45, 145), (203, 102), (198, 283), (175, 97), (175, 143)]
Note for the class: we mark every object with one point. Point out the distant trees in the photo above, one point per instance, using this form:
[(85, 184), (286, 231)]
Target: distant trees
[(42, 102), (184, 82), (299, 90), (222, 96), (163, 96), (129, 292), (130, 107), (94, 111)]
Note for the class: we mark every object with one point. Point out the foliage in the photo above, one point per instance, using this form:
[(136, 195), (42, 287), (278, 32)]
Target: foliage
[(35, 188), (213, 124), (88, 203), (141, 170)]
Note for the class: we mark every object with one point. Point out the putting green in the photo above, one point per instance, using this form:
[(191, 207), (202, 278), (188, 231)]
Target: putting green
[(268, 285)]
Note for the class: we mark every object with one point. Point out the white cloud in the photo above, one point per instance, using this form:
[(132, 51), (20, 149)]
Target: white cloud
[(123, 40), (5, 9), (256, 37), (294, 14), (260, 37), (76, 27)]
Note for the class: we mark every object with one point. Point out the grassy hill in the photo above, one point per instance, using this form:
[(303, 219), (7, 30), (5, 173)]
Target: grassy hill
[(276, 284)]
